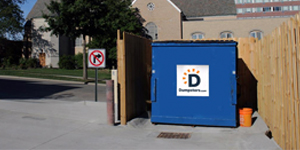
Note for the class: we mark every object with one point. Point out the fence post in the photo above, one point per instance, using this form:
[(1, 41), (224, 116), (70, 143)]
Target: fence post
[(110, 102)]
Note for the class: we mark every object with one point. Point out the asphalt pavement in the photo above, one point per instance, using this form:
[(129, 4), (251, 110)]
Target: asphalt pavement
[(19, 88), (48, 120)]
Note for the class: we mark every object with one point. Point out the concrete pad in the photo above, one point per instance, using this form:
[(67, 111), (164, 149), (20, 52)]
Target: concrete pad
[(82, 125)]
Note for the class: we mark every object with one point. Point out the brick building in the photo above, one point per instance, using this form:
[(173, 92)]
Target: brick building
[(266, 8), (197, 19)]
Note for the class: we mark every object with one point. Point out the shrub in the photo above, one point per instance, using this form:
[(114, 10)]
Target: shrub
[(23, 63), (66, 62), (79, 60), (8, 61), (32, 63)]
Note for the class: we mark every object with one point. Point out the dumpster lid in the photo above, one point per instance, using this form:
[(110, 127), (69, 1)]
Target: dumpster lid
[(194, 42)]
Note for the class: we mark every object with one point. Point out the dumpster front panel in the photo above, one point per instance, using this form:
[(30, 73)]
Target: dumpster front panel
[(194, 83)]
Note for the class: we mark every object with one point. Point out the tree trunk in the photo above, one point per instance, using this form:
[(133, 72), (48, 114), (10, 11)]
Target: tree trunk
[(85, 75)]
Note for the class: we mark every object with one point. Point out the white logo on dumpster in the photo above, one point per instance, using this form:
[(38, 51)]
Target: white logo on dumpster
[(193, 80)]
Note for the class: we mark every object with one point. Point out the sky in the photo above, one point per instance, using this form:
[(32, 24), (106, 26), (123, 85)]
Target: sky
[(27, 6)]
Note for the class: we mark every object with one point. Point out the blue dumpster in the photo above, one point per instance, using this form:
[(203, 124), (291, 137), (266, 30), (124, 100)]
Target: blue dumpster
[(194, 83)]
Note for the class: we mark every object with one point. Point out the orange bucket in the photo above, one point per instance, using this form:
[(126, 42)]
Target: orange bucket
[(245, 117)]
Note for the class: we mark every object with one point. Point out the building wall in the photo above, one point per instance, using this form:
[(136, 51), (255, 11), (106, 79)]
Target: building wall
[(43, 42), (166, 17), (251, 8), (239, 27), (79, 49)]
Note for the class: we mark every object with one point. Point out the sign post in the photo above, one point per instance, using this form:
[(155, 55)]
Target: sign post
[(97, 60)]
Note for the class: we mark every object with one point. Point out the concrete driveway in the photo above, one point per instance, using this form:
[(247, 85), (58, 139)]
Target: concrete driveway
[(39, 121)]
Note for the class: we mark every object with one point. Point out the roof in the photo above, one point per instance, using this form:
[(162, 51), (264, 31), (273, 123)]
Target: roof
[(38, 9), (201, 8), (190, 8)]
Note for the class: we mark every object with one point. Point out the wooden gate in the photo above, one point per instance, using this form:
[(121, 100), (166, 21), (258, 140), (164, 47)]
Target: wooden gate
[(134, 73)]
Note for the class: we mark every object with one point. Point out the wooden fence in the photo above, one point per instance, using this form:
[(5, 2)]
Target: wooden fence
[(274, 62), (278, 74), (269, 74), (134, 74)]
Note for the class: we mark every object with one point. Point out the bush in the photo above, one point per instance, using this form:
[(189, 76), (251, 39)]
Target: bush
[(66, 62), (23, 63), (32, 63), (7, 62), (79, 60)]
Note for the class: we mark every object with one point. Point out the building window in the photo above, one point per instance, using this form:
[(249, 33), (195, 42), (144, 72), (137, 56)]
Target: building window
[(226, 35), (248, 10), (150, 6), (276, 8), (78, 41), (239, 10), (285, 8), (197, 35), (267, 9), (259, 9), (256, 34), (239, 1), (295, 8), (152, 30)]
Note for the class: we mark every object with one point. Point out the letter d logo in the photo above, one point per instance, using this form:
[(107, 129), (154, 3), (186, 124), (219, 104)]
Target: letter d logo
[(198, 80)]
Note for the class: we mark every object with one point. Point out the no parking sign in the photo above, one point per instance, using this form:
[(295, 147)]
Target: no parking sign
[(96, 58)]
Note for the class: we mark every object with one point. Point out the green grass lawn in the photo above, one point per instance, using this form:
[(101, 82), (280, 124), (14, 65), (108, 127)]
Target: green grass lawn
[(59, 74)]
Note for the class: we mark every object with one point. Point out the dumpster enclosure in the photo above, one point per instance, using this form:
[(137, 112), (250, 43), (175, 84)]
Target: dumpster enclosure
[(268, 80)]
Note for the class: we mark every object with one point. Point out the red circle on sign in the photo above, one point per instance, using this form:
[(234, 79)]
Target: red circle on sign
[(92, 54)]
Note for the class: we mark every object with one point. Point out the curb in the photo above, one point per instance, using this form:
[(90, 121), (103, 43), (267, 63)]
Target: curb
[(39, 79)]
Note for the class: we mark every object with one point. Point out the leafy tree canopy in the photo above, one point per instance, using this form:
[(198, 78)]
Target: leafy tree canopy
[(119, 15), (74, 18), (11, 18), (99, 19)]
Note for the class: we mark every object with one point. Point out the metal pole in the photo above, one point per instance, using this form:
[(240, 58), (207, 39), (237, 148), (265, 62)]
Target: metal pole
[(96, 84), (110, 102)]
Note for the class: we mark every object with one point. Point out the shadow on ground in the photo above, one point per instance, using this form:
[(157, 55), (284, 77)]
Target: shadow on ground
[(20, 89)]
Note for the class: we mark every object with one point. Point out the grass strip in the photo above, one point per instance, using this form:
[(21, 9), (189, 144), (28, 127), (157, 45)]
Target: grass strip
[(57, 74)]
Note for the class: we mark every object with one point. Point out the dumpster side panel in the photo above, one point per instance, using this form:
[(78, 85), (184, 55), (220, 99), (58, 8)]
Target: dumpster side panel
[(214, 65)]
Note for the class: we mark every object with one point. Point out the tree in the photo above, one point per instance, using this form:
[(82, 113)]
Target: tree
[(98, 19), (118, 15), (11, 18), (74, 18)]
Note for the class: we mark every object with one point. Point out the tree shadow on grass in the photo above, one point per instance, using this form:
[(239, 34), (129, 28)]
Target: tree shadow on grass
[(23, 90)]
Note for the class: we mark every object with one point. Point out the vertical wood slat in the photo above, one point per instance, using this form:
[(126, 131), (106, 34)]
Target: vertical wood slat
[(121, 76), (285, 76), (277, 84), (280, 79), (297, 90), (294, 81), (274, 83), (291, 85)]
